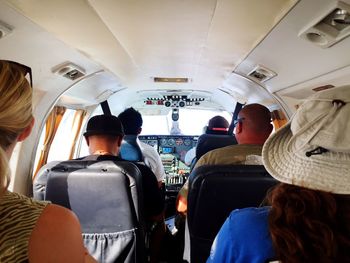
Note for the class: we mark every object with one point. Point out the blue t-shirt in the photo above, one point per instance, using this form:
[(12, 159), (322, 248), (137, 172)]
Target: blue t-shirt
[(244, 238)]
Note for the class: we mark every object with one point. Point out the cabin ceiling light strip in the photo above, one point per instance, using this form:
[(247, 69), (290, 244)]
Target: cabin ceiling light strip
[(329, 86), (172, 80), (5, 29), (330, 28)]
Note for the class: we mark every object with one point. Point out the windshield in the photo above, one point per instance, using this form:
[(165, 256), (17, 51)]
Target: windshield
[(191, 122)]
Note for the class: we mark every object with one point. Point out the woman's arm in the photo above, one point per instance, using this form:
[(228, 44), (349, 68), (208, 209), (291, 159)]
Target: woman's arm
[(57, 238)]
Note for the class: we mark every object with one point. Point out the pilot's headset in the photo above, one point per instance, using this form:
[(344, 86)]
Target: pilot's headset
[(217, 125)]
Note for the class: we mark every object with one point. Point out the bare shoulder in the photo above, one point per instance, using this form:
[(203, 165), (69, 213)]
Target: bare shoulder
[(56, 237)]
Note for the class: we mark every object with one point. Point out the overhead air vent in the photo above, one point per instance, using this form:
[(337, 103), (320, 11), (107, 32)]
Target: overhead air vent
[(261, 73), (171, 80), (330, 28), (69, 70), (4, 29)]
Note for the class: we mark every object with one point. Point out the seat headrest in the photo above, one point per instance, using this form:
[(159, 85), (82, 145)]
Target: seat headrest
[(208, 142), (217, 131)]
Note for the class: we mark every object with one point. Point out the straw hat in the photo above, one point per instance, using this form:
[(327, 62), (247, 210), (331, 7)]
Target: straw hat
[(313, 149)]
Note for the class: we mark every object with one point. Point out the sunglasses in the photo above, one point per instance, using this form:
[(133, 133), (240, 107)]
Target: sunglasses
[(23, 68), (237, 121)]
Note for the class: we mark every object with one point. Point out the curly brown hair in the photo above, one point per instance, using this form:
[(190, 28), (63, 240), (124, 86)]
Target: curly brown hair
[(308, 225)]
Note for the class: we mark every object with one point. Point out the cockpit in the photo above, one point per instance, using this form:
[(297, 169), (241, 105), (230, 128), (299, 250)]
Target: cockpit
[(172, 150)]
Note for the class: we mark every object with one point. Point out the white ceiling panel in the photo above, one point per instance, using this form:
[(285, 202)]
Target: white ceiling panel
[(200, 39), (294, 59)]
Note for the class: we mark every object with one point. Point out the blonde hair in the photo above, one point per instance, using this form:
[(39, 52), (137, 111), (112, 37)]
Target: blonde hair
[(15, 112)]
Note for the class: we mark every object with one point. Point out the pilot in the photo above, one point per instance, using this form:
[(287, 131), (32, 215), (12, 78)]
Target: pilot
[(132, 123), (217, 125)]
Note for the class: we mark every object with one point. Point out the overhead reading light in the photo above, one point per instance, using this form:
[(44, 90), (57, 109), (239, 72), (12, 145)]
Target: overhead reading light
[(261, 73), (69, 70), (341, 16), (171, 80), (330, 28), (4, 29)]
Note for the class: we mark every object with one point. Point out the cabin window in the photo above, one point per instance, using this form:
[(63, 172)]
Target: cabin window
[(84, 148), (58, 140), (278, 119), (64, 144), (191, 122)]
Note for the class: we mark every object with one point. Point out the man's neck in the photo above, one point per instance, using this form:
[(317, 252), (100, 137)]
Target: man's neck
[(251, 141), (102, 152)]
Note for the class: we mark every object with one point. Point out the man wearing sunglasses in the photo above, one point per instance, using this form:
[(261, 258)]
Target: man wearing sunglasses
[(252, 128)]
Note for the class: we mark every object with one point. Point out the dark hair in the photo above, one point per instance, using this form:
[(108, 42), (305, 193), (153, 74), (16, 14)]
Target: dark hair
[(131, 120), (217, 125), (308, 225), (218, 122)]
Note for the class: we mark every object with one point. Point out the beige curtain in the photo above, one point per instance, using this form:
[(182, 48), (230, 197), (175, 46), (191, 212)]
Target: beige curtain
[(278, 119), (52, 124), (76, 128)]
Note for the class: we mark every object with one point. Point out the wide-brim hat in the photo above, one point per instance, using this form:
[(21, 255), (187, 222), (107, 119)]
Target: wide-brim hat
[(313, 149), (104, 125)]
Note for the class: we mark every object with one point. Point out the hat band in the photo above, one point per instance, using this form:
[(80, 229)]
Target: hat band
[(317, 151)]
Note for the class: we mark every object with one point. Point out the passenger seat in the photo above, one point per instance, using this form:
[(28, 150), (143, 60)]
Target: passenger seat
[(209, 142), (216, 190), (107, 198)]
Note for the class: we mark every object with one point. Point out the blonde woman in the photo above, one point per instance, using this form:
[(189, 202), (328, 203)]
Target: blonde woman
[(29, 230)]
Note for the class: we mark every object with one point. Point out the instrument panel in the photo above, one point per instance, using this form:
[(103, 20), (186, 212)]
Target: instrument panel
[(177, 145), (172, 150)]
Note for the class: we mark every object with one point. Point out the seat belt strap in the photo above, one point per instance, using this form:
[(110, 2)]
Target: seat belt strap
[(234, 117), (105, 108)]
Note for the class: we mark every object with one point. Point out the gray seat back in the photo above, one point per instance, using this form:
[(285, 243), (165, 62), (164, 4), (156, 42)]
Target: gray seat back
[(106, 196)]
